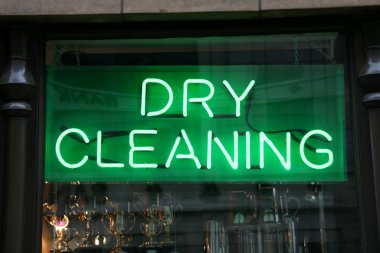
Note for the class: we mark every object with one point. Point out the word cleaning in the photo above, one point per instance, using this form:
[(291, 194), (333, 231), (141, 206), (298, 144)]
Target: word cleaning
[(212, 141)]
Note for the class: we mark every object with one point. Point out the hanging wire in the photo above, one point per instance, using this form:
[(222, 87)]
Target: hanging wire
[(314, 46), (58, 52), (57, 56), (295, 47), (293, 132), (77, 53)]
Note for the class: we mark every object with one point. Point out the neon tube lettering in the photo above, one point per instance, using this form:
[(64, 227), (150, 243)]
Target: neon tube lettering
[(263, 138), (58, 148), (197, 100), (143, 97), (233, 163), (183, 156), (99, 155), (320, 151), (248, 150), (209, 139), (241, 97), (135, 148)]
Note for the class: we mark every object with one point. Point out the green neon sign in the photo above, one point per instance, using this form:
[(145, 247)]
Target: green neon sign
[(195, 123)]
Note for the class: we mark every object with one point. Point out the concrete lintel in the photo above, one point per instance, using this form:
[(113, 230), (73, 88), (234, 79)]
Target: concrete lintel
[(188, 6), (310, 4), (61, 7)]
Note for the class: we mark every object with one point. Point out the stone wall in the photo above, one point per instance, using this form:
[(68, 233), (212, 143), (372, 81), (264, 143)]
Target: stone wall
[(120, 9)]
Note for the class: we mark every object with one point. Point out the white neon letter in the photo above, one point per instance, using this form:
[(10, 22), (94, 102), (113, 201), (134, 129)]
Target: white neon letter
[(241, 97), (197, 100), (99, 155), (209, 139), (234, 162), (248, 150), (58, 148), (320, 151), (263, 138), (143, 97), (183, 156), (135, 148)]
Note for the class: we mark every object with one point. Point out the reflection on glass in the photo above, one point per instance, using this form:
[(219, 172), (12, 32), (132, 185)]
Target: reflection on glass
[(88, 216), (118, 223), (189, 207), (169, 214), (242, 218), (151, 226), (60, 223)]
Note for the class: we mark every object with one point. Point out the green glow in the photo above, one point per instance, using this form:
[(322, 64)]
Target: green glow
[(99, 155), (285, 163), (233, 163), (241, 97), (143, 97), (58, 146), (135, 148), (330, 155), (131, 118), (183, 156), (248, 150), (201, 100)]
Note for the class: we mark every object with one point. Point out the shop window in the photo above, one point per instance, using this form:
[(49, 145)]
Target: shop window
[(200, 144)]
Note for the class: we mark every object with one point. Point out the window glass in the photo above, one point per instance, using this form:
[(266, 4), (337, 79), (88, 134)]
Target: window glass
[(202, 144)]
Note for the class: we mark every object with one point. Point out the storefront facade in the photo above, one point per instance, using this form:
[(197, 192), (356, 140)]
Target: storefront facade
[(194, 133)]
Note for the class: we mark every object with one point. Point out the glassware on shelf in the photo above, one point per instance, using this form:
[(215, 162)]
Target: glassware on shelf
[(216, 238), (242, 207), (151, 227), (169, 214), (73, 210), (88, 216), (118, 223), (269, 211), (290, 207), (277, 218), (60, 223)]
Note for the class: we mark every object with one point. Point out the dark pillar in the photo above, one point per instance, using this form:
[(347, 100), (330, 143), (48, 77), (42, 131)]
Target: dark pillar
[(16, 86), (369, 80)]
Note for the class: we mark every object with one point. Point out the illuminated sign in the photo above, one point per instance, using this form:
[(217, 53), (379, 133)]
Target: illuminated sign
[(195, 123)]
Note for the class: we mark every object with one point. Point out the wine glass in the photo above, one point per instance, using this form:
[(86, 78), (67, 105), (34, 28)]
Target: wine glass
[(118, 223), (151, 228), (169, 214)]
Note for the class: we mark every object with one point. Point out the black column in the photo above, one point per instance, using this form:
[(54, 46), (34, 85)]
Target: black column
[(369, 80), (16, 86)]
